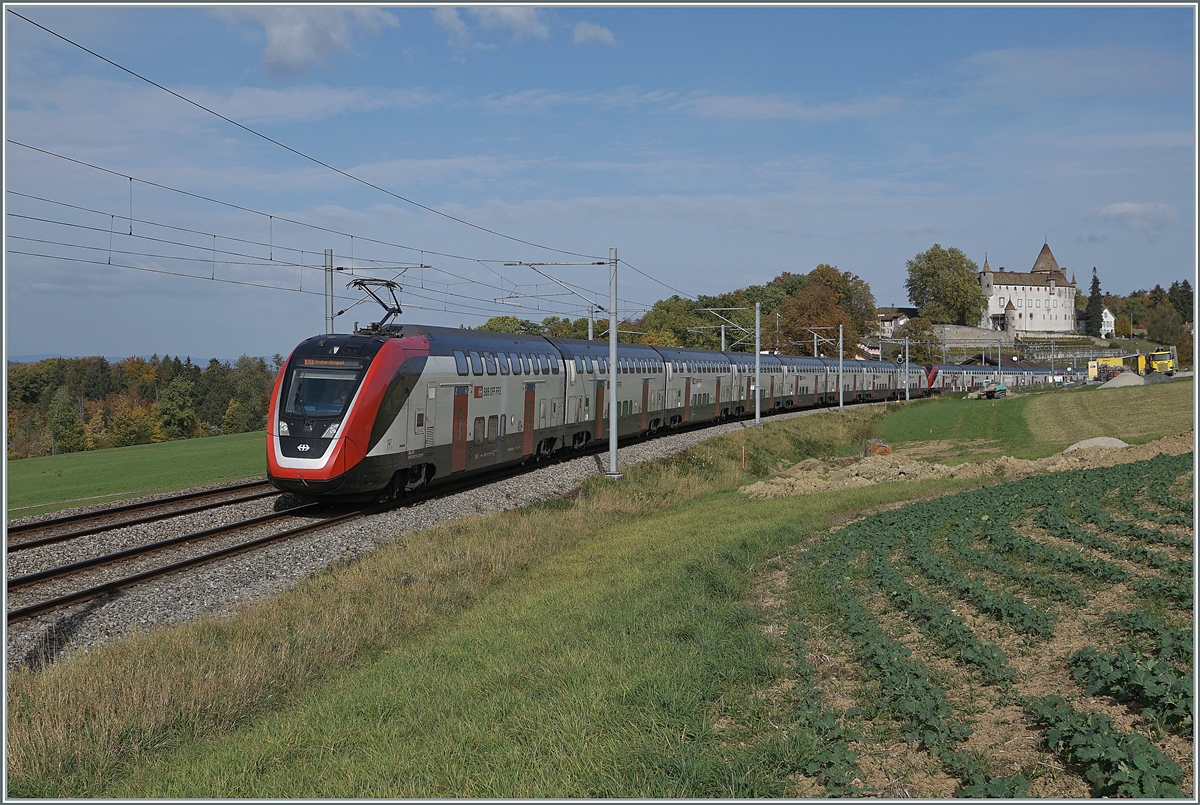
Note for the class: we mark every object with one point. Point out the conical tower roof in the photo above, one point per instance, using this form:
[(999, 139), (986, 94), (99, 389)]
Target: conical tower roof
[(986, 267), (1045, 263)]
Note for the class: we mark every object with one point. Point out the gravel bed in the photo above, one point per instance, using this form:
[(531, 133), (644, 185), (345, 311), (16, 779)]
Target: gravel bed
[(224, 586)]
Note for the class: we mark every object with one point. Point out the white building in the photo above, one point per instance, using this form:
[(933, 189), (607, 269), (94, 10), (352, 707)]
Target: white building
[(1108, 323), (1040, 301)]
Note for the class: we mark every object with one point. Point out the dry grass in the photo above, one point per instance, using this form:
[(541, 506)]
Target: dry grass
[(1133, 413)]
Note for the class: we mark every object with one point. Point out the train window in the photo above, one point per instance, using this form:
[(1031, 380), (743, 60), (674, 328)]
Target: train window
[(502, 362), (578, 365), (478, 430), (525, 370), (493, 425), (460, 360), (545, 367), (490, 361), (419, 422), (554, 364), (476, 363), (533, 364), (502, 426), (516, 363), (603, 364)]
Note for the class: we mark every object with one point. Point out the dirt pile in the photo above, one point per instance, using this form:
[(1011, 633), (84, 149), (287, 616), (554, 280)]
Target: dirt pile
[(817, 475)]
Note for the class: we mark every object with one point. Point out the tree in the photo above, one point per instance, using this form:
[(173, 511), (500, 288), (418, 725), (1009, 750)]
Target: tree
[(1180, 296), (1164, 324), (814, 307), (1123, 327), (921, 342), (175, 410), (510, 324), (1095, 307), (66, 428), (943, 285)]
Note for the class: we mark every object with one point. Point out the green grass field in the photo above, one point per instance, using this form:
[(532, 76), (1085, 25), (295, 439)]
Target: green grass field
[(49, 483), (608, 645), (1039, 424)]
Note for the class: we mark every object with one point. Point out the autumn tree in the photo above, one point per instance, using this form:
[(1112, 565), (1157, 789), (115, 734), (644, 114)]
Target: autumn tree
[(944, 286), (815, 307)]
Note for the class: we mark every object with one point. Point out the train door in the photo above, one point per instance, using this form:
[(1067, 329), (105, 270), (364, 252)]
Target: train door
[(458, 448), (530, 402), (430, 409), (645, 404), (599, 432), (717, 396), (772, 402), (687, 400)]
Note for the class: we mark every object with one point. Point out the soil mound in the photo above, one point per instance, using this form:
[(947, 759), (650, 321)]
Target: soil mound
[(817, 475), (1124, 379)]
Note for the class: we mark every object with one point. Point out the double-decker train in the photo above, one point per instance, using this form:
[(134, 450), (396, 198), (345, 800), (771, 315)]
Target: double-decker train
[(376, 413)]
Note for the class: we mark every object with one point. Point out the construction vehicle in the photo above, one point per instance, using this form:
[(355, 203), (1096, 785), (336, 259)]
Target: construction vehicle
[(1103, 369), (1160, 360)]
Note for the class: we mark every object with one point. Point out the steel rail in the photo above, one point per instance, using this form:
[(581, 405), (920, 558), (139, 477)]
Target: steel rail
[(139, 550), (129, 581), (74, 518), (37, 542)]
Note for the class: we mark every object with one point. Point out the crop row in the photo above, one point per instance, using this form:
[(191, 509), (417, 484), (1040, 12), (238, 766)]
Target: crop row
[(1116, 763), (1059, 524), (917, 705), (1049, 586), (1164, 694), (833, 763), (1170, 642), (935, 620)]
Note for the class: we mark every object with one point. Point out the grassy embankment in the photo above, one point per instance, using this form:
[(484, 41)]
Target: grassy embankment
[(1038, 424), (604, 645), (50, 483)]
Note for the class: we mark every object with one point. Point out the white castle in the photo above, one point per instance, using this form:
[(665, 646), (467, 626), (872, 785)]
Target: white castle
[(1040, 301)]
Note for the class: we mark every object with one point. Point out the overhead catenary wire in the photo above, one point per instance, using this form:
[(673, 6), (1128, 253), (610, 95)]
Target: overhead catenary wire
[(380, 264), (457, 309), (298, 153)]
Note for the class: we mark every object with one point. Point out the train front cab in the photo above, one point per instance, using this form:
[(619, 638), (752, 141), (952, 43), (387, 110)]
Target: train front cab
[(325, 417)]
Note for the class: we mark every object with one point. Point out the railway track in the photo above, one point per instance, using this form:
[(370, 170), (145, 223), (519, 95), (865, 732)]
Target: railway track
[(73, 526), (51, 580), (31, 603)]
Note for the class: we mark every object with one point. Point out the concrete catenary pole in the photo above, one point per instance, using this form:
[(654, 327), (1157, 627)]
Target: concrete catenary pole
[(841, 385), (906, 368), (329, 292), (591, 323), (612, 366), (758, 364)]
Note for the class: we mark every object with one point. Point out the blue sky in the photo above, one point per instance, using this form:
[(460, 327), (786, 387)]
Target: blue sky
[(713, 147)]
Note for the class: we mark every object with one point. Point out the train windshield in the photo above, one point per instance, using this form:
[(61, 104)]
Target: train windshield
[(322, 389)]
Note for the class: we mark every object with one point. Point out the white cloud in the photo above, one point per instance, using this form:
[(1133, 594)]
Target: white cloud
[(774, 107), (311, 102), (1023, 74), (523, 21), (591, 32), (447, 18), (1148, 217), (299, 37)]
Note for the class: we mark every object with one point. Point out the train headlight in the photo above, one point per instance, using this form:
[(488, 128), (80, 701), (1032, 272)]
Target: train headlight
[(330, 432), (283, 429)]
